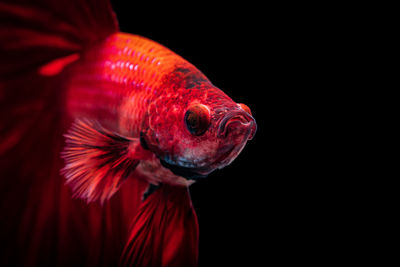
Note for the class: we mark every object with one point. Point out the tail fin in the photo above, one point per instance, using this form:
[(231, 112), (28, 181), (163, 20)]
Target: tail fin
[(164, 232), (40, 224)]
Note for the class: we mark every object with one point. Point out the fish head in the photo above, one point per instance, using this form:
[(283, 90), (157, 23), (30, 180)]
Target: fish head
[(199, 132)]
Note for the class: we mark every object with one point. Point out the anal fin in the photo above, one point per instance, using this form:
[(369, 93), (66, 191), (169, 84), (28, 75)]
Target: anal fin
[(150, 190)]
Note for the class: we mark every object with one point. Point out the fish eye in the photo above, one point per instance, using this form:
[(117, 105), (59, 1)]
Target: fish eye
[(197, 119), (245, 108)]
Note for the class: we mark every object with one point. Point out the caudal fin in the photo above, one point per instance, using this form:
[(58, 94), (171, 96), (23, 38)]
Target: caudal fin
[(40, 224)]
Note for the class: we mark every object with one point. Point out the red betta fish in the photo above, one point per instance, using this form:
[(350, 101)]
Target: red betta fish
[(140, 125)]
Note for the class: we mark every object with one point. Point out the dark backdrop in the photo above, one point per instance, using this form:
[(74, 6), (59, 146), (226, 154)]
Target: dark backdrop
[(254, 212)]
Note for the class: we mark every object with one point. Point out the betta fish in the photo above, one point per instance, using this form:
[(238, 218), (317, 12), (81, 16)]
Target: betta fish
[(101, 134)]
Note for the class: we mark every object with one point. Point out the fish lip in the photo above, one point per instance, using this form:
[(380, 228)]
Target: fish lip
[(186, 172), (237, 117)]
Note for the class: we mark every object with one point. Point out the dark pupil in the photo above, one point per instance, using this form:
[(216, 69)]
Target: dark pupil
[(195, 122)]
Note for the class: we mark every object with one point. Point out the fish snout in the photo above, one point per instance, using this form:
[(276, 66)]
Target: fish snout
[(237, 123)]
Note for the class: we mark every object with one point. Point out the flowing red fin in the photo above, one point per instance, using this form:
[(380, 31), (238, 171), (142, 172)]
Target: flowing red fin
[(36, 32), (164, 232), (39, 39), (41, 225), (97, 161)]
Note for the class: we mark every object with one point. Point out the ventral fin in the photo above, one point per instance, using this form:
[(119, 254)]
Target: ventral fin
[(98, 161)]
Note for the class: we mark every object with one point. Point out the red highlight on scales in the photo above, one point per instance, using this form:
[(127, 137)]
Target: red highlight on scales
[(135, 125)]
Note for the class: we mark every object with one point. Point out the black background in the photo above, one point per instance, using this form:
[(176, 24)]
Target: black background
[(269, 206)]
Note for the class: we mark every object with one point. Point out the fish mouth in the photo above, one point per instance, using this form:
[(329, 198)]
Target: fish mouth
[(237, 119), (186, 172)]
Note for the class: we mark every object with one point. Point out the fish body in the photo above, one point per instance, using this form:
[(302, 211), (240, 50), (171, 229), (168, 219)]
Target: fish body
[(141, 90), (135, 125)]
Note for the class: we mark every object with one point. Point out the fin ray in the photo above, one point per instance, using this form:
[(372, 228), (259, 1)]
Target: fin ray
[(97, 161), (164, 232)]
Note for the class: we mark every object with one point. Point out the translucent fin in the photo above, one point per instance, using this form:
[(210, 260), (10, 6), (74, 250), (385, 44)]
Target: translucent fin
[(41, 225), (165, 231), (97, 161)]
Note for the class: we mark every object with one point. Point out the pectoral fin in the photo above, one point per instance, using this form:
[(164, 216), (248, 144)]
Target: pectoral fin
[(98, 161)]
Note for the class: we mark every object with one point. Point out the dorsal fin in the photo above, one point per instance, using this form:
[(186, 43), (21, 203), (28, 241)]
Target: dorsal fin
[(97, 160)]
